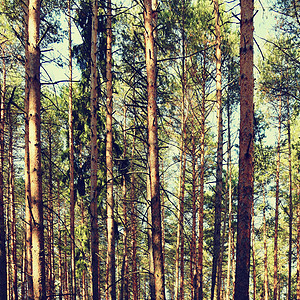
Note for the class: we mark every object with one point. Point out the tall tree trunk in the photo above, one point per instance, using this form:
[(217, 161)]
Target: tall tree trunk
[(150, 18), (13, 240), (94, 155), (245, 193), (193, 270), (38, 258), (289, 291), (229, 196), (71, 157), (124, 292), (111, 286), (298, 244), (218, 197), (179, 264), (28, 219), (50, 230), (150, 243), (277, 203), (266, 283), (199, 292), (134, 277), (3, 270), (253, 255), (65, 265), (60, 262)]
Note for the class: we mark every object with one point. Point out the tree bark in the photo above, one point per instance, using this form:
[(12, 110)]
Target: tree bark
[(150, 18), (218, 197), (94, 155), (277, 202), (38, 258), (199, 291), (71, 157), (289, 291), (266, 283), (150, 243), (111, 277), (245, 192), (3, 270), (12, 210), (229, 196), (253, 255), (124, 292)]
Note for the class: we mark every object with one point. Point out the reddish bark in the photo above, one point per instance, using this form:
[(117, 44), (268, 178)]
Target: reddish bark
[(94, 155), (150, 18), (38, 258), (3, 271), (110, 262), (245, 192)]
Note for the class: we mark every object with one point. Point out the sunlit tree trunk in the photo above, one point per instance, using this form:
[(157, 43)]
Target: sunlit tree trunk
[(150, 19), (28, 219), (38, 258), (245, 189), (218, 198), (3, 271), (277, 203), (111, 277)]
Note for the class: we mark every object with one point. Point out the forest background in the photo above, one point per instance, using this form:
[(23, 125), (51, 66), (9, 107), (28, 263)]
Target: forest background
[(91, 229)]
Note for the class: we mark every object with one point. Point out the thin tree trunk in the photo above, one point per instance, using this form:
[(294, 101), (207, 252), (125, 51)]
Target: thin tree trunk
[(193, 270), (65, 264), (218, 197), (253, 255), (38, 258), (266, 283), (51, 278), (277, 203), (124, 292), (245, 193), (230, 241), (150, 18), (150, 244), (23, 275), (71, 157), (111, 286), (134, 277), (298, 244), (28, 219), (3, 270), (199, 293), (94, 155), (60, 264), (12, 209), (289, 292), (179, 264)]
